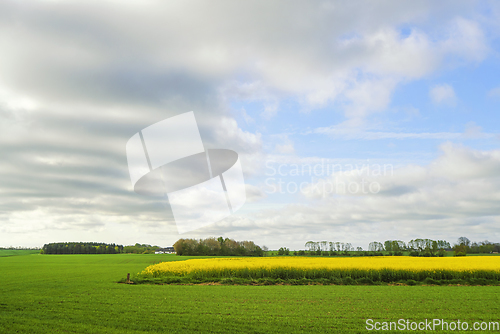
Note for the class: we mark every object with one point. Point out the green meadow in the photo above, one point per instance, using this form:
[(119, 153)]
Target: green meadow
[(14, 252), (80, 294)]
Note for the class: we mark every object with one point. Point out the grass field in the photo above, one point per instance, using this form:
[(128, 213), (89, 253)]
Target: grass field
[(78, 294), (15, 252)]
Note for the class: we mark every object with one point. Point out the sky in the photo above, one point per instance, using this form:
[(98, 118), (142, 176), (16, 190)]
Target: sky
[(354, 121)]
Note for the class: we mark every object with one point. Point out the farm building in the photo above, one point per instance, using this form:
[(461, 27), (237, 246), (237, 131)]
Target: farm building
[(166, 250)]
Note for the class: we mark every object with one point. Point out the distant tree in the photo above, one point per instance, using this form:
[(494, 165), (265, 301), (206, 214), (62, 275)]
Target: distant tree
[(434, 247), (486, 247), (347, 247), (443, 244), (388, 245), (80, 248), (101, 249), (460, 250), (219, 246), (324, 245), (283, 251), (312, 246), (464, 241), (375, 247), (338, 246)]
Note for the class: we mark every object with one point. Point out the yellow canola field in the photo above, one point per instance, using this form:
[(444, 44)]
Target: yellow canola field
[(270, 264)]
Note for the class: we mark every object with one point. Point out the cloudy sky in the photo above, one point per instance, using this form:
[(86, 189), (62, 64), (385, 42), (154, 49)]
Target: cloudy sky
[(355, 121)]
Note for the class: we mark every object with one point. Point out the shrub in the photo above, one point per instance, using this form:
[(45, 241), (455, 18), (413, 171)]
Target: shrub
[(348, 281), (365, 280), (431, 281)]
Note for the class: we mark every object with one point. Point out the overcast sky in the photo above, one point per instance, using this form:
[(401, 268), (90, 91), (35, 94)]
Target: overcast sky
[(355, 121)]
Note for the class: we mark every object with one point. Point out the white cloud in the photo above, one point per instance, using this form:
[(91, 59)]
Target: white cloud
[(254, 193), (457, 163), (248, 119), (443, 94), (283, 144), (228, 133), (252, 91), (285, 148), (494, 92), (386, 52), (472, 131), (466, 42)]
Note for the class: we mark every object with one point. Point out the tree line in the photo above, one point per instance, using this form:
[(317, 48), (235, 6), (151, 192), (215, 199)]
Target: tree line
[(81, 248), (415, 247), (465, 246), (332, 248), (96, 248), (140, 249), (219, 246)]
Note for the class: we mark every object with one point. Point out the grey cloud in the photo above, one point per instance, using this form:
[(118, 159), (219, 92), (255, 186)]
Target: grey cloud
[(398, 190), (133, 51)]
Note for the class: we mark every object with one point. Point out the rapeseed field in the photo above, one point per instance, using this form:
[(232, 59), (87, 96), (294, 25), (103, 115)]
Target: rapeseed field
[(382, 269)]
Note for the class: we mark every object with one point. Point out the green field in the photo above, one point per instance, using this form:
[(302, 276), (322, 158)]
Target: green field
[(15, 252), (79, 294)]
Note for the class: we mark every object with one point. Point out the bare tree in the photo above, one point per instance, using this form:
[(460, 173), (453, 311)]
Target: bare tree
[(464, 241), (324, 245), (375, 247)]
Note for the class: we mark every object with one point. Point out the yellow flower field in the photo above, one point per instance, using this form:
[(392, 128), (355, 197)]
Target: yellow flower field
[(386, 269)]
